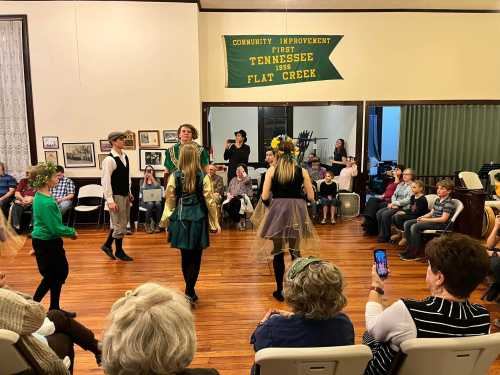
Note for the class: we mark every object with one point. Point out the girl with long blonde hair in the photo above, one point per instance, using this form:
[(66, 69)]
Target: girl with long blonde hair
[(191, 212), (286, 224)]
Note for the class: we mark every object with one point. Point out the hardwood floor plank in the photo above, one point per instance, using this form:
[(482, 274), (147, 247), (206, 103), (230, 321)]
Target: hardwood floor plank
[(234, 287)]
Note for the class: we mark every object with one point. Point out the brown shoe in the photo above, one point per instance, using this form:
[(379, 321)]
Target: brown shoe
[(403, 242)]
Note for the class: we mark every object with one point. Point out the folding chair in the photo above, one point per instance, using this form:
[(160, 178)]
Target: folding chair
[(444, 356), (85, 194), (459, 207), (335, 360)]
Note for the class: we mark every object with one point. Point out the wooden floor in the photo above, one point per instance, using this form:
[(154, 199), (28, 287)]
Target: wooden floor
[(234, 287)]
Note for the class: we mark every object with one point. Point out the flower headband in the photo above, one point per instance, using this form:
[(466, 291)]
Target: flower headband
[(278, 144), (46, 171)]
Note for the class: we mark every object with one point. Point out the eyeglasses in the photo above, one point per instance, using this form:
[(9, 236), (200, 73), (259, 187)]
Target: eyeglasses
[(149, 170)]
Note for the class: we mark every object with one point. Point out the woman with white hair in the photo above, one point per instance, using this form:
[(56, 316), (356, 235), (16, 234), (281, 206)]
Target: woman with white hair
[(314, 291), (151, 332)]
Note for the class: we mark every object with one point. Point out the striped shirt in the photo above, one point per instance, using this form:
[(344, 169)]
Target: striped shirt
[(432, 317)]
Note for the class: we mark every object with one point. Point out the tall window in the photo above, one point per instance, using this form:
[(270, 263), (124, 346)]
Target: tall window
[(14, 138)]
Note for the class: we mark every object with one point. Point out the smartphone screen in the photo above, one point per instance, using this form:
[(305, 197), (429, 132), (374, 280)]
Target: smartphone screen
[(380, 257)]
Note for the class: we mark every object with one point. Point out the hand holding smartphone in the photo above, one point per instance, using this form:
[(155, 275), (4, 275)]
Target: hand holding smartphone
[(380, 258)]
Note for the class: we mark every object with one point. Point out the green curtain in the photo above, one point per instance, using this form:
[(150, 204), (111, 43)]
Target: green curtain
[(442, 139)]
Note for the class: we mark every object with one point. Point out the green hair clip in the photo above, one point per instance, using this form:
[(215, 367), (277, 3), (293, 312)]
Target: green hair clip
[(46, 171), (300, 265)]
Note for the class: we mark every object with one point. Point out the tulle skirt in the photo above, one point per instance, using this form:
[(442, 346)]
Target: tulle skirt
[(284, 225)]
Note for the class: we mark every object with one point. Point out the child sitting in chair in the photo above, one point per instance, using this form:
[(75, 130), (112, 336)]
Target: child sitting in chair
[(327, 196)]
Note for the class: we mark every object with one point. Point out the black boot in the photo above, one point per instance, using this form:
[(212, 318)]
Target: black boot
[(119, 253), (107, 245)]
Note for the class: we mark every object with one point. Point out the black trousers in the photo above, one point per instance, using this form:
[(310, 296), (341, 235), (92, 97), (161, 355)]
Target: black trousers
[(233, 209), (191, 263), (54, 268), (68, 332), (370, 214), (279, 260)]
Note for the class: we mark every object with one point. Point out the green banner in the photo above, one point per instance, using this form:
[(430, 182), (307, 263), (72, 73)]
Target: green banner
[(265, 60)]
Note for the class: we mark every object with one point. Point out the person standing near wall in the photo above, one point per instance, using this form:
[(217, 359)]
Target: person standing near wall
[(116, 185), (237, 153), (186, 134), (339, 157)]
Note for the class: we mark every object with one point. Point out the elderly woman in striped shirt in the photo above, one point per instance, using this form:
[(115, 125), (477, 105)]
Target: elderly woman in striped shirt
[(457, 264)]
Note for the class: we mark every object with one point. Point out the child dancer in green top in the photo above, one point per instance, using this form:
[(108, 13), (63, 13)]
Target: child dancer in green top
[(47, 232)]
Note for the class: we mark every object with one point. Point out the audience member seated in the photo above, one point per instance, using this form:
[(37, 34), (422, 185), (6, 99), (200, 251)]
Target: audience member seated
[(64, 191), (400, 200), (239, 192), (418, 207), (314, 291), (316, 171), (344, 179), (378, 202), (49, 338), (438, 218), (492, 244), (23, 202), (151, 331), (457, 264), (7, 188), (217, 183), (328, 197), (154, 210)]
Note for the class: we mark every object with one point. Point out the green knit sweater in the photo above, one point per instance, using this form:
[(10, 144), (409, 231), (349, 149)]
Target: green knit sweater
[(47, 219), (20, 314)]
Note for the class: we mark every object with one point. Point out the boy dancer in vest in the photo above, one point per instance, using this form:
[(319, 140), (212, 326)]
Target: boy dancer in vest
[(116, 185)]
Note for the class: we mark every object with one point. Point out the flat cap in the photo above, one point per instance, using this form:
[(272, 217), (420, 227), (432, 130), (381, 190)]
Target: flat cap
[(113, 136)]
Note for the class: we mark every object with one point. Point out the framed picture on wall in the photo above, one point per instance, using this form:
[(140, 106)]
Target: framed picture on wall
[(129, 140), (104, 145), (101, 157), (170, 136), (154, 157), (50, 143), (79, 155), (149, 138), (51, 156)]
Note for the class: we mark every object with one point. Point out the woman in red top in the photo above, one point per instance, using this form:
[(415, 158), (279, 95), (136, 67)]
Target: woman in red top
[(24, 199)]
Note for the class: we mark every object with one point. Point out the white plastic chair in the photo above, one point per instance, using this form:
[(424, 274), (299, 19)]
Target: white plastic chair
[(471, 180), (431, 198), (446, 356), (335, 360), (11, 361), (459, 207), (85, 192)]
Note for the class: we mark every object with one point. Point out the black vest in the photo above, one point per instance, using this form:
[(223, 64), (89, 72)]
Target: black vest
[(120, 177)]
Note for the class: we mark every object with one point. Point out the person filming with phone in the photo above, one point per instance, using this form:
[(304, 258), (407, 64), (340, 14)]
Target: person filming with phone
[(457, 264), (237, 152)]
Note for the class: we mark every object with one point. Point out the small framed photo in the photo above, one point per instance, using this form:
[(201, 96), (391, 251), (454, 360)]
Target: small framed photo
[(129, 140), (170, 136), (79, 155), (50, 143), (104, 145), (51, 156), (149, 138), (154, 157), (101, 157)]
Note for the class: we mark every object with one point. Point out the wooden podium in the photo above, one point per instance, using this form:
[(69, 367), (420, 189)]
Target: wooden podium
[(470, 221)]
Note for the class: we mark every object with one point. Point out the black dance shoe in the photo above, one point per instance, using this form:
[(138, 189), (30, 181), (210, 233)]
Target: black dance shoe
[(108, 251)]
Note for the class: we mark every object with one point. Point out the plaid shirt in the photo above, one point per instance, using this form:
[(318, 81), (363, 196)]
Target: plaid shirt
[(64, 187)]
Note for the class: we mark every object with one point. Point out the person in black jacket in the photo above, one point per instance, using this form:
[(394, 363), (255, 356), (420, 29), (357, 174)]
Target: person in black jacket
[(237, 153)]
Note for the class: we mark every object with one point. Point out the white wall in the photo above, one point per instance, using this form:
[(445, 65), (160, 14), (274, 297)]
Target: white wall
[(332, 122), (102, 66), (224, 121)]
